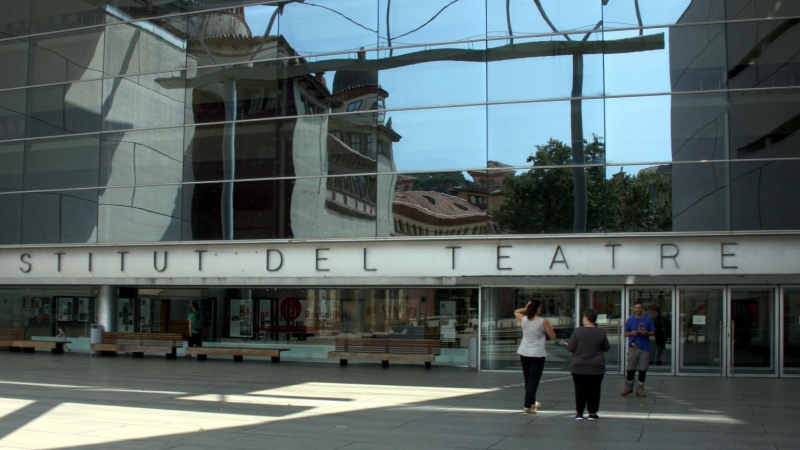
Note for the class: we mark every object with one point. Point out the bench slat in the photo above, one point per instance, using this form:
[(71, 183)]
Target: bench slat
[(12, 334), (386, 350)]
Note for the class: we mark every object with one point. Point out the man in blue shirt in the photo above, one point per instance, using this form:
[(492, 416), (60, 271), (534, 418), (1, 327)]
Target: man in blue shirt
[(638, 329)]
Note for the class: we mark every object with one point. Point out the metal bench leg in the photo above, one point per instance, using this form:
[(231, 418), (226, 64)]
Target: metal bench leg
[(384, 363), (276, 359), (108, 353), (138, 355), (343, 363), (14, 349), (173, 354), (238, 358), (427, 365), (58, 350), (202, 357), (28, 349)]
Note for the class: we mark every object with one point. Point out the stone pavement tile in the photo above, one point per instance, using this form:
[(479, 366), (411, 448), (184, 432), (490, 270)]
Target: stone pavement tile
[(42, 440), (377, 437)]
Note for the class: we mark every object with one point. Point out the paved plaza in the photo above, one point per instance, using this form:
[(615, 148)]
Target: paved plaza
[(79, 401)]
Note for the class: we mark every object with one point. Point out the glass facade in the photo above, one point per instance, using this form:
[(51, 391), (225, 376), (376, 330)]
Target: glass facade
[(127, 121)]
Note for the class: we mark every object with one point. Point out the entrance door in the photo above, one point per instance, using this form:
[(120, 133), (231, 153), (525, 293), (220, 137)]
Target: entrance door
[(658, 304), (701, 329), (727, 332), (607, 302), (751, 336)]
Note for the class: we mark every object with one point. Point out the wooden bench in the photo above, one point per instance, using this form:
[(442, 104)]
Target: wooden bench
[(56, 347), (9, 335), (385, 350), (139, 343), (14, 339), (237, 353)]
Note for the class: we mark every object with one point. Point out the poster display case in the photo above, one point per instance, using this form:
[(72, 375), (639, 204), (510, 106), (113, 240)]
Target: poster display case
[(241, 318)]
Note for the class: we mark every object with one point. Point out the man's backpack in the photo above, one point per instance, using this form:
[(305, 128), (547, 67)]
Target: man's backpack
[(200, 321)]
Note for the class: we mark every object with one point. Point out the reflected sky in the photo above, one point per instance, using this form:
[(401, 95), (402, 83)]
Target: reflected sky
[(354, 24)]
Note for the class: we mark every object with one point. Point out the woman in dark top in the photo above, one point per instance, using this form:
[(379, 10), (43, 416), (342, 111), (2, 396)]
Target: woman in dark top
[(587, 345)]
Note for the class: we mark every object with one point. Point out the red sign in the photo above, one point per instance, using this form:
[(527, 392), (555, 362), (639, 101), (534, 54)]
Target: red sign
[(291, 308)]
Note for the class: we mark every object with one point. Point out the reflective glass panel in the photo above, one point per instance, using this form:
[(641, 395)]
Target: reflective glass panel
[(791, 330), (12, 114), (545, 68), (439, 139), (607, 303), (763, 54), (666, 128), (411, 22), (14, 55), (439, 204), (701, 330), (501, 332), (64, 109), (625, 14), (763, 195), (544, 133), (305, 146), (444, 75), (59, 217), (141, 214), (40, 310), (330, 25), (54, 15), (62, 164), (16, 19), (63, 57), (753, 329), (743, 9), (10, 219), (658, 305), (517, 17)]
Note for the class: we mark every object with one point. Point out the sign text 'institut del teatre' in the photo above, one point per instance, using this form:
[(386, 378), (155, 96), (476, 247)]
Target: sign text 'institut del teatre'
[(220, 263)]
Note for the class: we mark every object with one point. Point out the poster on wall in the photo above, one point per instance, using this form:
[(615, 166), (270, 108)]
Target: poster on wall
[(264, 314), (144, 315), (125, 314), (447, 320), (39, 311), (83, 309), (241, 318), (64, 309), (292, 309)]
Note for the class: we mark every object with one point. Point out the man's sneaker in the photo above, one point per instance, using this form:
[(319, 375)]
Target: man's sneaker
[(641, 394), (625, 392), (593, 417), (578, 416), (528, 411), (536, 406)]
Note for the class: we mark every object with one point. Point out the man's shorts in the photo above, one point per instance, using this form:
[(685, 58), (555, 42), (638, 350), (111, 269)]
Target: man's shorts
[(638, 360)]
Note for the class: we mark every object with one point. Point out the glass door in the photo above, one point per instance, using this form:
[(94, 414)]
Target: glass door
[(608, 305), (791, 330), (752, 331), (701, 313), (657, 303)]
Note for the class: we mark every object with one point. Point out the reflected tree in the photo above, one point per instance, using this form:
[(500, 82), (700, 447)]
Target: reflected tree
[(440, 182), (541, 199)]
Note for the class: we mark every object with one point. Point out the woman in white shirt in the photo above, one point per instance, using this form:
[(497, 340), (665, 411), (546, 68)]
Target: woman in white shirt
[(531, 350)]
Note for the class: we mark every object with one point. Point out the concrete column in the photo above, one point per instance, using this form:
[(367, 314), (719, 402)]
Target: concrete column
[(107, 307)]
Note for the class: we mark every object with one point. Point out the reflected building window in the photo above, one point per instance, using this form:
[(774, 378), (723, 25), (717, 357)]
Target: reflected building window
[(355, 141)]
